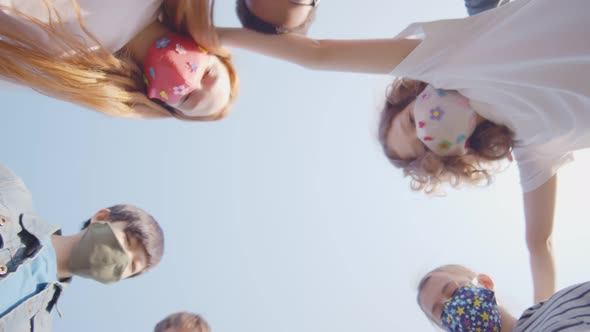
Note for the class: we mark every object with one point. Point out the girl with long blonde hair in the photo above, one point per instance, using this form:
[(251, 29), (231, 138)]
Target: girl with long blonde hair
[(69, 51)]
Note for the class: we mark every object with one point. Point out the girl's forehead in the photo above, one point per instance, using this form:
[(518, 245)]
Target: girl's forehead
[(455, 276), (437, 281)]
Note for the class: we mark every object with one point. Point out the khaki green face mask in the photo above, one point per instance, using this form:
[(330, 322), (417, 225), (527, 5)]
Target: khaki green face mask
[(99, 255)]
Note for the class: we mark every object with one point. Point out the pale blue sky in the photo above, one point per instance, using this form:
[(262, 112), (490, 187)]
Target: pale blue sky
[(285, 216)]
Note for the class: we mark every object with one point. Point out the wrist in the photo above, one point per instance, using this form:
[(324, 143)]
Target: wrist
[(224, 34)]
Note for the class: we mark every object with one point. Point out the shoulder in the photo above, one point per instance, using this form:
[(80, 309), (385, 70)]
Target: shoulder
[(27, 261), (15, 197), (34, 314), (566, 310), (7, 176), (537, 165), (23, 239)]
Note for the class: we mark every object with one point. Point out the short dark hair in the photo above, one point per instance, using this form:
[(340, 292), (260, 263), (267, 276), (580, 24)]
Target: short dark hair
[(185, 320), (253, 22), (143, 227)]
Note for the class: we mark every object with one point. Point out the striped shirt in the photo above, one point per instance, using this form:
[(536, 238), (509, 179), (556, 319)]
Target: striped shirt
[(567, 310)]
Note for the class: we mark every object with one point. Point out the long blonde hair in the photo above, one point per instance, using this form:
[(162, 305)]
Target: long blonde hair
[(93, 77)]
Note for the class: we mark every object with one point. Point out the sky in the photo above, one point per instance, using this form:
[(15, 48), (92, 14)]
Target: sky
[(285, 216)]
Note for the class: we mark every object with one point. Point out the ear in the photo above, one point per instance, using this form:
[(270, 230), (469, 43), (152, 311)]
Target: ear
[(102, 215), (485, 281)]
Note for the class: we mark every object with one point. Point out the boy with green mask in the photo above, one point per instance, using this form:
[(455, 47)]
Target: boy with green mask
[(36, 261)]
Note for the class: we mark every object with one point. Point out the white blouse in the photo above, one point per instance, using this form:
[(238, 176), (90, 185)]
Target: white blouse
[(112, 22), (525, 65)]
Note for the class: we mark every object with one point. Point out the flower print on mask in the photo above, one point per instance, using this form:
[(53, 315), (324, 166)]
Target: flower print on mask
[(173, 72), (180, 90), (180, 49), (460, 139), (193, 66), (444, 145), (162, 43), (446, 118), (471, 308), (436, 113)]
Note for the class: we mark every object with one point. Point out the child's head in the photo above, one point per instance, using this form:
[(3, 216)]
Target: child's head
[(130, 230), (186, 78), (448, 282), (182, 322), (215, 99), (277, 17), (219, 86), (401, 145)]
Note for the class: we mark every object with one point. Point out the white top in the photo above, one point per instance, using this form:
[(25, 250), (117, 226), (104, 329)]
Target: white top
[(525, 65), (112, 22)]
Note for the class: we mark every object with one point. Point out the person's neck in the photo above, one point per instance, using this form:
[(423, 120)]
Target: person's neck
[(64, 246), (139, 45), (507, 320)]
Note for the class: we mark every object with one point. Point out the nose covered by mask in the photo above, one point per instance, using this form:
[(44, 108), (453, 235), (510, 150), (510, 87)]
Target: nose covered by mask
[(444, 121), (472, 308), (173, 67), (99, 255)]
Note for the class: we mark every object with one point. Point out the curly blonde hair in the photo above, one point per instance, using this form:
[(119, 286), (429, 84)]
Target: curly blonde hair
[(93, 77), (488, 144)]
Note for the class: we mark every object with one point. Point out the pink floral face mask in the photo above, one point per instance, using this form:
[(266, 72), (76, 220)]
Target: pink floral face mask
[(173, 67), (444, 121)]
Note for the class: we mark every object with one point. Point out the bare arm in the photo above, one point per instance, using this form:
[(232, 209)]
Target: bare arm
[(539, 208), (378, 56)]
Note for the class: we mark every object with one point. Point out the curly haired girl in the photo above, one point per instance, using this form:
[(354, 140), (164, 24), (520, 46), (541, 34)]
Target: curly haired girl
[(475, 90)]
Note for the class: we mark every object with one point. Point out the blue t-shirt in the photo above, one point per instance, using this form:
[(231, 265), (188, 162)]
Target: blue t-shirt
[(29, 279)]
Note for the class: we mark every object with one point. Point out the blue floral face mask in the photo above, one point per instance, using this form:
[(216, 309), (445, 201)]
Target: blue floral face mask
[(471, 308)]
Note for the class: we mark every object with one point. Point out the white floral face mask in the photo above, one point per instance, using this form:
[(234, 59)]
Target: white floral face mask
[(444, 121)]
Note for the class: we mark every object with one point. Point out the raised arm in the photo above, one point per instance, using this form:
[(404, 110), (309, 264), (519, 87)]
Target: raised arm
[(378, 56), (539, 207)]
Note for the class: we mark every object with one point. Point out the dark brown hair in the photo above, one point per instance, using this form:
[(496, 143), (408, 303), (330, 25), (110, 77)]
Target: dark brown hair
[(253, 22), (488, 143)]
